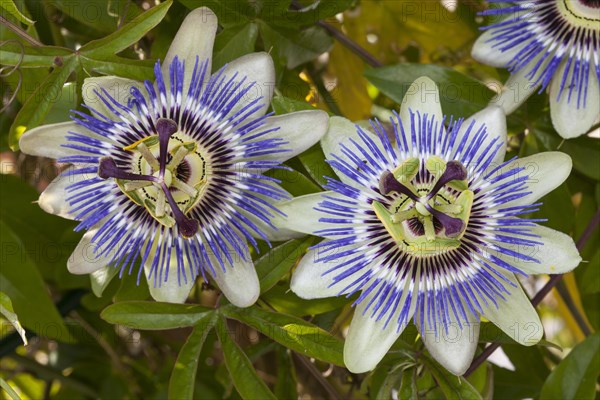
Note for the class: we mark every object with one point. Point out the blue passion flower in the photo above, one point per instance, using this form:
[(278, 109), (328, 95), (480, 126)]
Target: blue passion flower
[(428, 223), (550, 44), (170, 172)]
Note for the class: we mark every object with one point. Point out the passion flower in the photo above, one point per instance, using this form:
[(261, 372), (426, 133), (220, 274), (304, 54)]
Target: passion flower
[(171, 172), (429, 224)]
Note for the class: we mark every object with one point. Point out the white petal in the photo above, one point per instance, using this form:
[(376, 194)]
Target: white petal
[(515, 316), (49, 140), (195, 38), (568, 119), (422, 96), (546, 171), (258, 68), (175, 289), (300, 130), (495, 122), (340, 132), (118, 88), (485, 52), (85, 259), (239, 283), (101, 278), (310, 280), (53, 199), (369, 339), (557, 254), (301, 215), (453, 349), (516, 90)]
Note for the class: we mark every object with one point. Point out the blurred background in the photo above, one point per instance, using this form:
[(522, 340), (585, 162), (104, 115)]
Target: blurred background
[(351, 58)]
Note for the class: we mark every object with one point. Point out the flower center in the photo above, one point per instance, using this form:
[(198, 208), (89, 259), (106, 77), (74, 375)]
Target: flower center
[(430, 208), (584, 13), (168, 176)]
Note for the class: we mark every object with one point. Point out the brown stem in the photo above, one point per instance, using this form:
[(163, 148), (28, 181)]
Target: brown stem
[(345, 40)]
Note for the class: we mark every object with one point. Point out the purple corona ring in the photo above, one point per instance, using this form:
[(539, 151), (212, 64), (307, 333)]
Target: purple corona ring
[(428, 223), (550, 44), (170, 173)]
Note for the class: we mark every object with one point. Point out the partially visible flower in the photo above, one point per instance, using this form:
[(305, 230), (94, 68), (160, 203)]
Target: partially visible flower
[(429, 224), (548, 43), (172, 171)]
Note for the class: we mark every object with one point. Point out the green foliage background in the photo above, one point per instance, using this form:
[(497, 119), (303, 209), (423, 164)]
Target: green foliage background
[(109, 340)]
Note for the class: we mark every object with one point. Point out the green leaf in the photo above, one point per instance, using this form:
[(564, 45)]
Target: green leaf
[(292, 332), (228, 11), (6, 309), (40, 102), (10, 7), (128, 35), (590, 283), (316, 11), (453, 387), (389, 383), (584, 151), (575, 377), (11, 392), (313, 160), (275, 264), (460, 94), (284, 105), (283, 300), (293, 181), (233, 42), (138, 70), (23, 55), (408, 385), (183, 377), (99, 15), (21, 281), (40, 232), (293, 46), (285, 387), (242, 372), (152, 315)]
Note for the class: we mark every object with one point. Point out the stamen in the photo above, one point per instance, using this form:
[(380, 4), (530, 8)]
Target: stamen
[(178, 156), (108, 169), (388, 183), (187, 226), (184, 187), (454, 171), (429, 228), (148, 156), (130, 186)]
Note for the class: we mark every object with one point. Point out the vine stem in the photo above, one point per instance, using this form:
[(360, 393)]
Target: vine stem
[(345, 40), (537, 299)]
